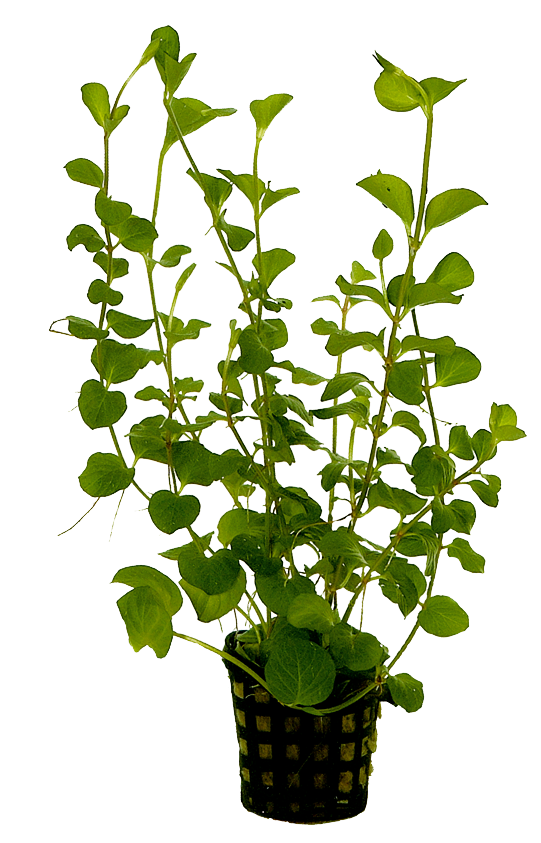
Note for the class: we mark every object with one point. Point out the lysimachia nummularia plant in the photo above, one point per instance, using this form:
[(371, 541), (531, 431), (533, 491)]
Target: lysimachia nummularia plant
[(298, 643)]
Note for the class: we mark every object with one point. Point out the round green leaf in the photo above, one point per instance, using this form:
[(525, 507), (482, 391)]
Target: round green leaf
[(110, 212), (459, 367), (104, 475), (98, 407), (99, 291), (264, 111), (449, 205), (383, 245), (299, 672), (163, 587), (441, 616), (353, 649), (214, 575), (468, 558), (393, 192), (135, 234), (170, 512), (84, 171), (406, 691), (147, 621), (310, 611)]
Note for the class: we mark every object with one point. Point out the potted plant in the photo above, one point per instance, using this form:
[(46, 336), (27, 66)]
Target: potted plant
[(307, 677)]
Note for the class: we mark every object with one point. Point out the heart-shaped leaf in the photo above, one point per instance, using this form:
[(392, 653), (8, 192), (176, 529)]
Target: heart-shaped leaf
[(170, 512)]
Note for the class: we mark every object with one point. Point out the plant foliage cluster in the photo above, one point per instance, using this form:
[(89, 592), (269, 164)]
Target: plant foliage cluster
[(298, 642)]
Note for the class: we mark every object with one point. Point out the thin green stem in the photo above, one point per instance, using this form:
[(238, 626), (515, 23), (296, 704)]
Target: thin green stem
[(426, 383), (389, 359)]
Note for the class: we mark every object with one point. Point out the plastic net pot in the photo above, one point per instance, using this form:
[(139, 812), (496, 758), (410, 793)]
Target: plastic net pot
[(299, 767)]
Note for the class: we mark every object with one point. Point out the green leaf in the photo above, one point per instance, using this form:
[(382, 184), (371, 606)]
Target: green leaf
[(109, 212), (238, 521), (255, 358), (354, 650), (403, 502), (191, 114), (170, 512), (163, 587), (342, 341), (404, 419), (96, 99), (216, 190), (120, 266), (150, 52), (146, 440), (310, 611), (116, 118), (85, 172), (210, 607), (168, 44), (181, 332), (147, 621), (443, 617), (460, 443), (98, 407), (468, 558), (172, 255), (394, 193), (299, 672), (394, 286), (406, 691), (175, 71), (503, 423), (450, 205), (483, 444), (273, 333), (452, 273), (119, 362), (104, 475), (421, 294), (86, 236), (487, 492), (342, 383), (360, 274), (136, 234), (296, 406), (99, 292), (395, 90), (330, 475), (350, 407), (264, 111), (214, 575), (84, 329), (342, 543), (361, 290), (245, 183), (383, 245), (438, 89), (324, 327), (459, 367), (193, 463), (272, 196), (127, 326), (151, 393), (442, 345), (432, 469), (237, 237), (272, 264), (405, 382), (403, 583), (463, 516)]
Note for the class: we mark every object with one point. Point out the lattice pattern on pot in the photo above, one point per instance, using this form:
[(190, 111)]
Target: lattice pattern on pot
[(299, 767)]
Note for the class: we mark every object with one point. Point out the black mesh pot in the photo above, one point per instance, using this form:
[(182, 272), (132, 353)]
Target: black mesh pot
[(300, 767)]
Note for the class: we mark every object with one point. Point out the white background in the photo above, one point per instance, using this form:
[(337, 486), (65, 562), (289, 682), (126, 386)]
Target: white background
[(104, 744)]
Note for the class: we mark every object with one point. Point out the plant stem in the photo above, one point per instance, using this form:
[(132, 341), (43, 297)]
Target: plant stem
[(413, 249), (426, 384)]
